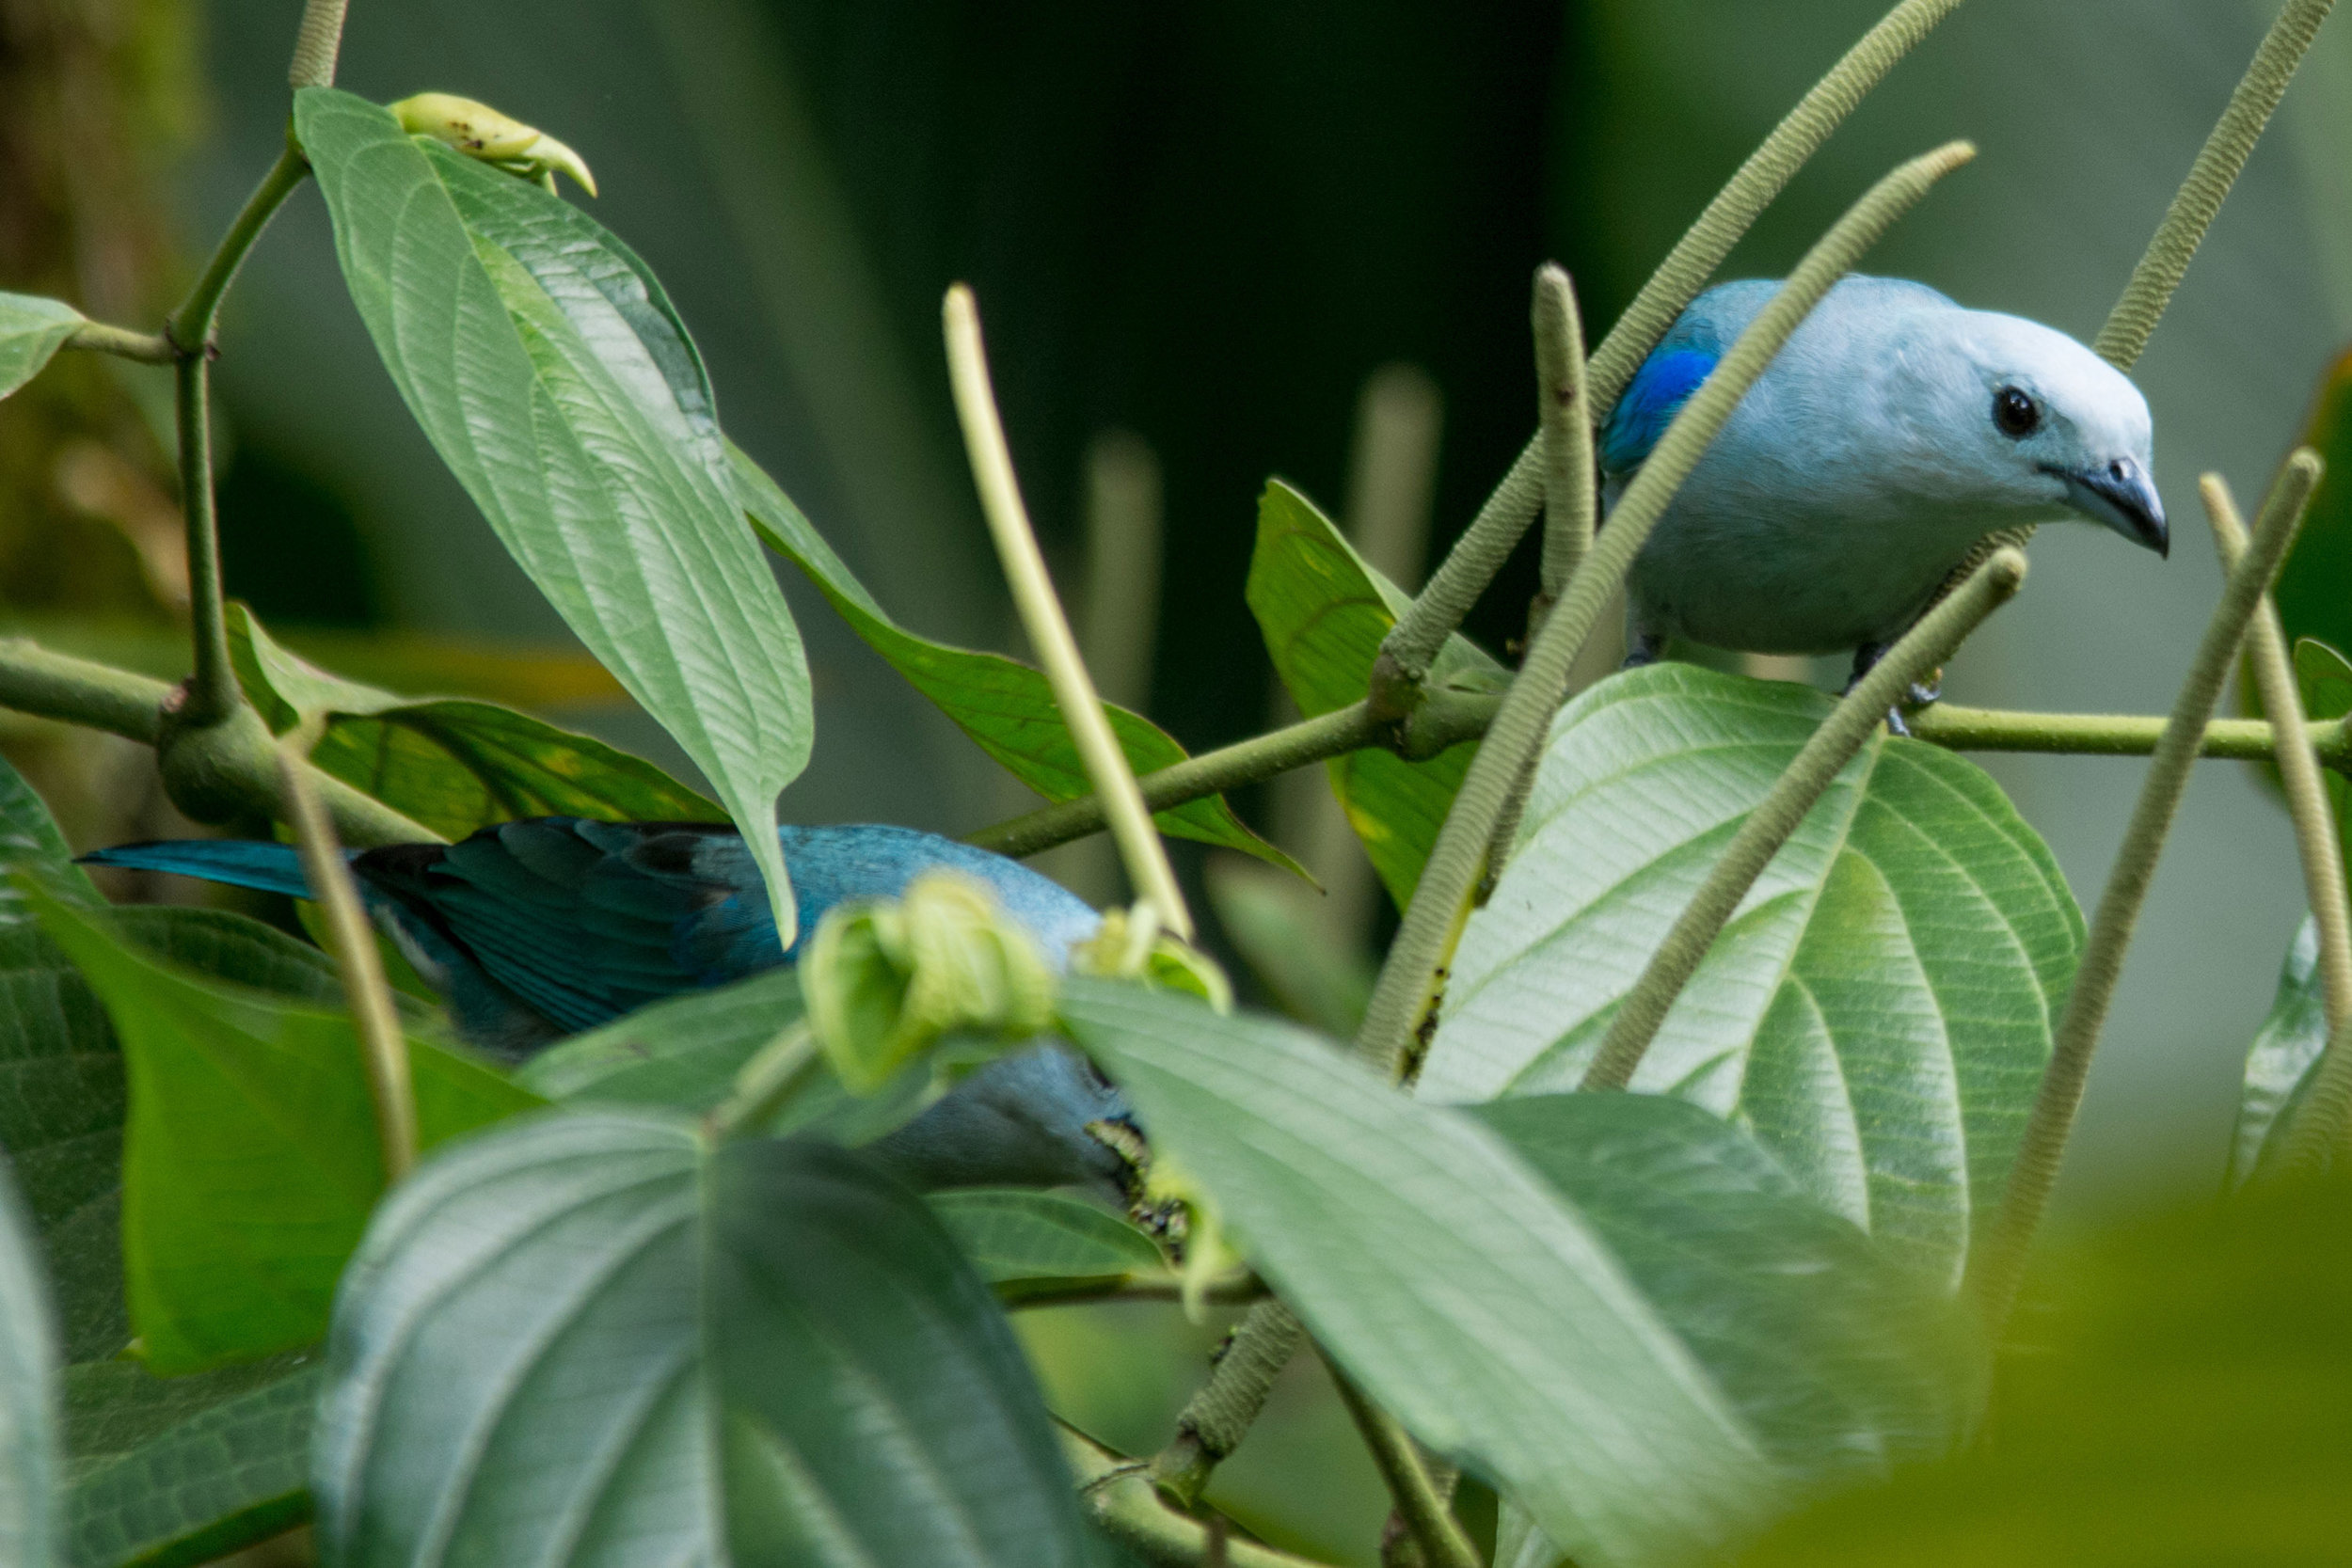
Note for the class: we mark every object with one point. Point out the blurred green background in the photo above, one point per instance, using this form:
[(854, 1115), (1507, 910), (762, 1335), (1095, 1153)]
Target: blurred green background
[(1208, 224)]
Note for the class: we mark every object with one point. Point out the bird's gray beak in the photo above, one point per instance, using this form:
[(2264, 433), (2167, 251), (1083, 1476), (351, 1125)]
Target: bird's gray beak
[(2121, 495)]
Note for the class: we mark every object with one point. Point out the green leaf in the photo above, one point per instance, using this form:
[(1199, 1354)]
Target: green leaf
[(1276, 924), (2309, 589), (159, 1470), (1840, 1361), (2280, 1062), (250, 1158), (186, 1469), (1322, 612), (547, 370), (2322, 677), (2180, 1400), (1006, 708), (29, 1393), (451, 763), (590, 1336), (1877, 1011), (31, 329), (1028, 1242), (681, 1054), (1446, 1277)]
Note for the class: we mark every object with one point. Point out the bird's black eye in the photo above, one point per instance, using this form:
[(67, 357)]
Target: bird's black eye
[(2016, 413)]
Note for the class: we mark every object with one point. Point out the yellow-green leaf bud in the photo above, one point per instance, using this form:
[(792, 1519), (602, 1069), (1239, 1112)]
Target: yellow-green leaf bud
[(481, 132), (885, 980)]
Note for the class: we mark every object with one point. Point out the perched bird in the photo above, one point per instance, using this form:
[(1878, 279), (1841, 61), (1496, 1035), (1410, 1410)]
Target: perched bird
[(536, 930), (1893, 431)]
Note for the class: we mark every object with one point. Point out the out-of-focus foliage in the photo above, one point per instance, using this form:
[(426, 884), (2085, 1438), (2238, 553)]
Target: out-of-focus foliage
[(2177, 1396)]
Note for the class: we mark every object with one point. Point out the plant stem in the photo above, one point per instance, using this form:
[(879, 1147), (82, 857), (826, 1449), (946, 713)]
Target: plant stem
[(2110, 735), (316, 45), (1443, 1541), (1412, 644), (147, 348), (1823, 756), (77, 692), (352, 941), (1998, 1265), (1446, 720), (2199, 201), (1118, 1497), (1220, 1413), (1768, 169), (1491, 536), (212, 690), (1139, 844), (1451, 875), (191, 325), (2298, 768), (2195, 205), (762, 1085), (1570, 494)]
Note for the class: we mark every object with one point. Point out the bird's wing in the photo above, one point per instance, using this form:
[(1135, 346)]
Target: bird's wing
[(1657, 393), (585, 920)]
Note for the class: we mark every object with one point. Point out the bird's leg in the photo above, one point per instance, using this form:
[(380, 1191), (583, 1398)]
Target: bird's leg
[(1643, 646), (1867, 656)]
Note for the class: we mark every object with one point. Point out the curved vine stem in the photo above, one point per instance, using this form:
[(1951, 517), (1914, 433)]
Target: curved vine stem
[(1999, 1263), (1449, 877)]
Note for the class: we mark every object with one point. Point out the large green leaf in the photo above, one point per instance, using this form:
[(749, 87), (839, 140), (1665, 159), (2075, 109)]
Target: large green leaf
[(1841, 1360), (682, 1053), (452, 764), (185, 1470), (2182, 1401), (29, 1393), (1879, 1010), (2279, 1064), (1006, 707), (1448, 1279), (158, 1470), (547, 370), (591, 1338), (1322, 612), (1029, 1243), (250, 1159), (31, 329), (2310, 589)]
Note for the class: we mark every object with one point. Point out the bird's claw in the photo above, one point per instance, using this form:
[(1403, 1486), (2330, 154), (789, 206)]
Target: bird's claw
[(1895, 724)]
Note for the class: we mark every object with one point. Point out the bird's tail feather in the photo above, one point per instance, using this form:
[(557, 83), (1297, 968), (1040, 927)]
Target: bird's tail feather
[(240, 863)]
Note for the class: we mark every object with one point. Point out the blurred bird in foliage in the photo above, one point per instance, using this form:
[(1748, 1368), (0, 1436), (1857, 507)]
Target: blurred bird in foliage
[(536, 930), (1893, 431)]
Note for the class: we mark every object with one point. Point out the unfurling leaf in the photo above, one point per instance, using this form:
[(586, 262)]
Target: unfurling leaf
[(885, 979), (481, 132)]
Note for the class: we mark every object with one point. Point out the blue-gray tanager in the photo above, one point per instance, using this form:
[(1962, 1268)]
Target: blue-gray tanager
[(540, 929), (1892, 432)]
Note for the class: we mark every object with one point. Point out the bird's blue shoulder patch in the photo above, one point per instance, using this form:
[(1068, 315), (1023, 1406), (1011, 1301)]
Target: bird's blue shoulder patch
[(1660, 389)]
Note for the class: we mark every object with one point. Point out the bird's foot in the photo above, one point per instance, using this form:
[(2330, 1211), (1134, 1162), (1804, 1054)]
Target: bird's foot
[(1646, 649), (1895, 724), (1923, 693)]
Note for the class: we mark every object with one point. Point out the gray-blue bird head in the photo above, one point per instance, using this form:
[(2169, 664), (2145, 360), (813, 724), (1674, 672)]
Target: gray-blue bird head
[(2030, 421)]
